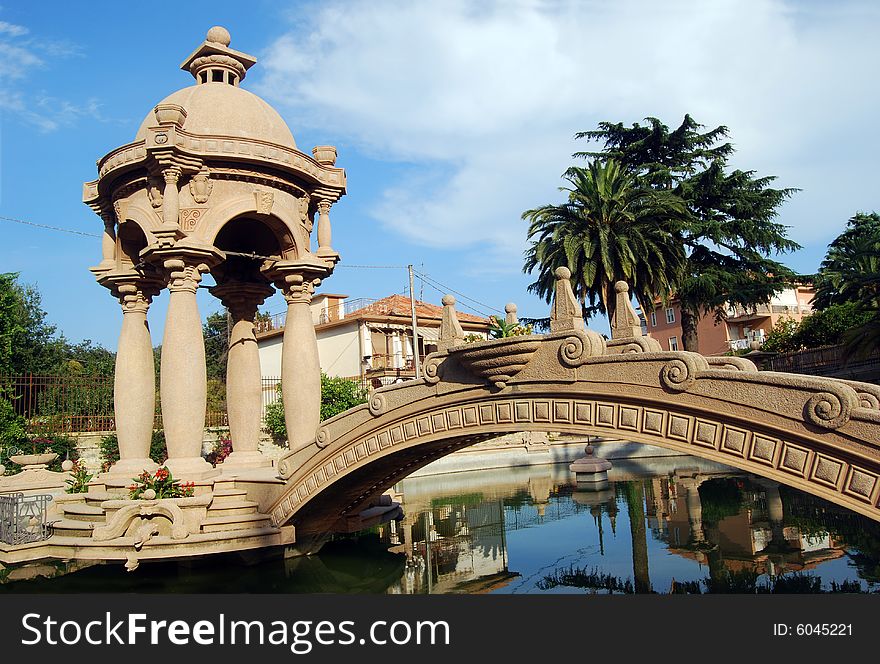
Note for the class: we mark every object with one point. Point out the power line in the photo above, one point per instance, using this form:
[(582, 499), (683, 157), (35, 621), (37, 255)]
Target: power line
[(437, 284), (46, 227)]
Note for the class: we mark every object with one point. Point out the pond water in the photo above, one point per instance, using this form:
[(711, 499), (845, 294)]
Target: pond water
[(664, 525)]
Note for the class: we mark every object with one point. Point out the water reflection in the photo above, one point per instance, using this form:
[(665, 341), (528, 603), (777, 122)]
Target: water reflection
[(667, 525), (704, 528)]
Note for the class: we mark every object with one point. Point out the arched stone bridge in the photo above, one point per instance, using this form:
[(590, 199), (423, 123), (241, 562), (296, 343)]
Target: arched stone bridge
[(817, 434)]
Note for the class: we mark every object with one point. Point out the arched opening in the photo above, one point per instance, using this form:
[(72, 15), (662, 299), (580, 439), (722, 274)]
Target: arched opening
[(130, 241), (249, 235)]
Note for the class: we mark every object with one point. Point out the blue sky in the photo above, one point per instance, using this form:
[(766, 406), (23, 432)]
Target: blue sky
[(451, 118)]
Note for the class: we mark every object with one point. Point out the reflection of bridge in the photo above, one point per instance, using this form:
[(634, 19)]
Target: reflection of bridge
[(817, 434)]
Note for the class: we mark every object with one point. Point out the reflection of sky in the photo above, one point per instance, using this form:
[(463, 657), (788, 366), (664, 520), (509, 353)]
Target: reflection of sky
[(554, 544), (573, 541)]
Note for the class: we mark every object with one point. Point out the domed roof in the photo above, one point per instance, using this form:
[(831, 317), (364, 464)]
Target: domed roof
[(225, 110)]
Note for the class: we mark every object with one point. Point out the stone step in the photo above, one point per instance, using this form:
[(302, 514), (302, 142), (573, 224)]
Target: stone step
[(225, 496), (232, 507), (98, 497), (71, 528), (83, 512), (216, 524)]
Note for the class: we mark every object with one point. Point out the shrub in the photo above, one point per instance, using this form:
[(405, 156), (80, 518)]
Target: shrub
[(109, 447), (162, 483), (79, 479), (337, 396)]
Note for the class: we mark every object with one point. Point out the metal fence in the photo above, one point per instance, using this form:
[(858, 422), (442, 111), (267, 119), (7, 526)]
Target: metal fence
[(824, 361), (23, 518), (82, 404)]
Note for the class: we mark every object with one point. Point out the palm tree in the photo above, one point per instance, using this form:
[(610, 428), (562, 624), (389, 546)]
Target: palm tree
[(851, 273), (611, 228)]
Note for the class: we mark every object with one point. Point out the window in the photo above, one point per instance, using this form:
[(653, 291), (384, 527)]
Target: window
[(673, 343), (653, 319), (670, 315)]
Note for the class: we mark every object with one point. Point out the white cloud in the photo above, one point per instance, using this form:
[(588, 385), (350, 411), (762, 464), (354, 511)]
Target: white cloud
[(484, 98), (20, 57)]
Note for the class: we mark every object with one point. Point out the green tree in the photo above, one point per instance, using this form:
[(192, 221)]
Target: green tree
[(337, 396), (850, 271), (828, 327), (215, 331), (728, 233), (612, 227), (850, 274), (26, 338)]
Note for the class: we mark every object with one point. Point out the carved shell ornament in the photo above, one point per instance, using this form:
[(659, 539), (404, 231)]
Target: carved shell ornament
[(200, 186)]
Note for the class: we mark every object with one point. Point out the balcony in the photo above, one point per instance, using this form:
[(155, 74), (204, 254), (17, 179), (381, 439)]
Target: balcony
[(735, 314)]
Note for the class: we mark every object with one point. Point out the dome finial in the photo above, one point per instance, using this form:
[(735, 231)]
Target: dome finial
[(219, 35), (214, 62)]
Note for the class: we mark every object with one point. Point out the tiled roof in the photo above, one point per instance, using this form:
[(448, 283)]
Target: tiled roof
[(399, 305)]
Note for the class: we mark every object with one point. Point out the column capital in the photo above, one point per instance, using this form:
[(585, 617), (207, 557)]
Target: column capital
[(184, 262), (172, 174), (324, 205), (297, 280), (183, 275), (134, 299), (242, 298)]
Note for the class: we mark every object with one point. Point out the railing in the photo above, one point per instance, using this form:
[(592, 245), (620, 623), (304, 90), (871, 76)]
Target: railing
[(329, 315), (822, 361), (23, 518), (762, 310), (82, 404)]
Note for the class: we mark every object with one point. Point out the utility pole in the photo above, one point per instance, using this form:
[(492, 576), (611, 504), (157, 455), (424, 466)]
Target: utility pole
[(415, 323)]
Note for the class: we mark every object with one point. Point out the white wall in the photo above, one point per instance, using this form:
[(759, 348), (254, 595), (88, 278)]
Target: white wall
[(270, 356), (339, 350)]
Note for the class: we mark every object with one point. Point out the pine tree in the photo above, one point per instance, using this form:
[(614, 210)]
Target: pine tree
[(729, 233)]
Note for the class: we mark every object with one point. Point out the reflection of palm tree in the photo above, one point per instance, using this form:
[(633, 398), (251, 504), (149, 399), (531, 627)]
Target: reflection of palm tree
[(635, 500)]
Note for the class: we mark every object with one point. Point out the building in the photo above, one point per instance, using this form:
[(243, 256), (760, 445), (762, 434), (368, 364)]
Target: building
[(365, 339), (740, 327)]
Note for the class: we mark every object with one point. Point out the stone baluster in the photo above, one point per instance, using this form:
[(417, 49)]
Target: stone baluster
[(134, 384), (300, 366), (451, 333), (183, 382), (171, 198), (324, 231), (510, 314), (243, 376)]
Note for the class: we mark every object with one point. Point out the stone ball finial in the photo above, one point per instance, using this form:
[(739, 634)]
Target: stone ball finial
[(67, 465), (621, 287), (219, 35), (448, 300), (510, 308), (563, 273)]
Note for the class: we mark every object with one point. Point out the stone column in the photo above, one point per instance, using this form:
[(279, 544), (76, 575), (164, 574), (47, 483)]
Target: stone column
[(324, 231), (183, 381), (694, 508), (108, 242), (171, 198), (300, 366), (244, 384), (134, 384)]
